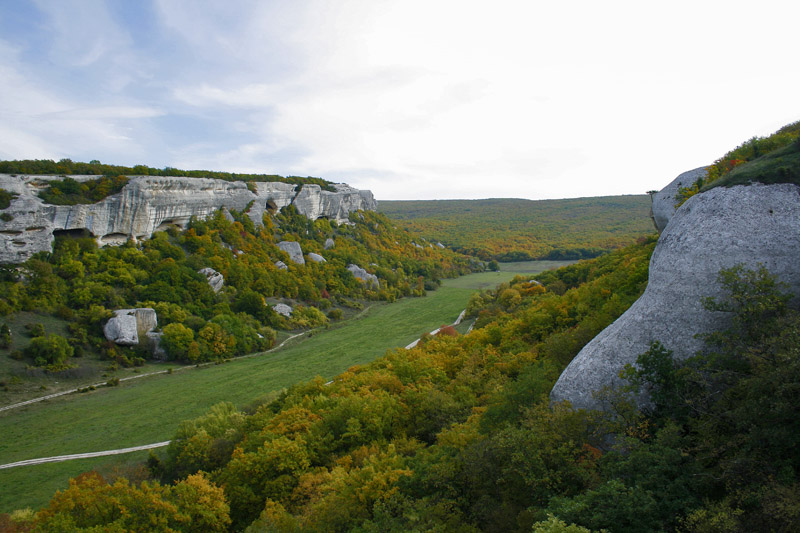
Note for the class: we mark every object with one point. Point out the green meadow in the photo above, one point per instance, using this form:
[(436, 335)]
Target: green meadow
[(149, 410)]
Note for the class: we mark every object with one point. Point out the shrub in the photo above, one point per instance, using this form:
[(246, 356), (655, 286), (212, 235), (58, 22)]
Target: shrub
[(52, 351)]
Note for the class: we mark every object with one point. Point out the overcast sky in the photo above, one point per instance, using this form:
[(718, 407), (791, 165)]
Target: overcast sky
[(411, 99)]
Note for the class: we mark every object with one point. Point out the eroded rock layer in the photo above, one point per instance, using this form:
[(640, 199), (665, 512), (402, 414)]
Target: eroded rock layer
[(152, 203)]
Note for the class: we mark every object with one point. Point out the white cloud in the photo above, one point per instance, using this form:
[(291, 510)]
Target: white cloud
[(413, 98)]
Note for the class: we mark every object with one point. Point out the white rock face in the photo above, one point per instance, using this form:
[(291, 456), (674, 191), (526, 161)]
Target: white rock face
[(283, 309), (152, 203), (281, 265), (664, 200), (329, 243), (215, 280), (316, 258), (314, 203), (371, 280), (294, 250), (711, 231), (127, 325)]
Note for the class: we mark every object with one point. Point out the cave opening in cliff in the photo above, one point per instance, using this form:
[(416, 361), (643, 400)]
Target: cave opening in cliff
[(271, 206), (79, 233)]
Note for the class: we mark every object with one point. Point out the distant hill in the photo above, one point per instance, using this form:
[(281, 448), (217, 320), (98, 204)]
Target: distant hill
[(518, 230)]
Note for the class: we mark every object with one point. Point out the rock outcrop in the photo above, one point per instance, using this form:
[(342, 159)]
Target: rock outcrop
[(152, 203), (664, 200), (720, 228), (283, 309), (215, 280), (294, 250), (371, 280), (316, 258), (127, 326)]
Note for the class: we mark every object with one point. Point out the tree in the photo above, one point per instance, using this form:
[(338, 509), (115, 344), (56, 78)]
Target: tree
[(52, 351), (176, 340)]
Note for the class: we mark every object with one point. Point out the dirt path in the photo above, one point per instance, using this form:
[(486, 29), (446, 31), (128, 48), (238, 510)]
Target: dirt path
[(434, 332), (63, 393), (59, 458)]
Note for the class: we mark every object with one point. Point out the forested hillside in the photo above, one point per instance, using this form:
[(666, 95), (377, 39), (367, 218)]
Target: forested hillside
[(65, 297), (429, 437), (457, 434), (519, 230)]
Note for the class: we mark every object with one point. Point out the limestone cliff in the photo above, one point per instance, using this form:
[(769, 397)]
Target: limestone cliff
[(152, 203), (752, 225)]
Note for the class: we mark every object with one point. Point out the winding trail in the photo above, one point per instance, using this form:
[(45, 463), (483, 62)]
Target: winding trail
[(64, 393)]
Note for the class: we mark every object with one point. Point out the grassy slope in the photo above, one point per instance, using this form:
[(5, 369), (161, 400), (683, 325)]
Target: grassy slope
[(501, 226), (780, 166), (149, 410)]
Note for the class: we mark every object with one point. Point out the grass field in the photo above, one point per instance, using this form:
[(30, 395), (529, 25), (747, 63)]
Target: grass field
[(149, 410)]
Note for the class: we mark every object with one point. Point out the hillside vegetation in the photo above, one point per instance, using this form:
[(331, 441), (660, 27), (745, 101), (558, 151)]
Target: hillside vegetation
[(519, 230), (78, 285), (771, 159), (457, 434), (150, 409), (373, 445)]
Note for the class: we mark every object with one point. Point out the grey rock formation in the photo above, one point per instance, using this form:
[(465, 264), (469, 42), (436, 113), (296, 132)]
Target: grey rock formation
[(215, 279), (314, 203), (128, 325), (371, 280), (294, 250), (152, 203), (664, 200), (281, 265), (316, 258), (283, 309), (329, 243), (717, 229)]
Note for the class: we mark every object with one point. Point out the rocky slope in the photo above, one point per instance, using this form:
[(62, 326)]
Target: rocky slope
[(152, 203), (751, 225)]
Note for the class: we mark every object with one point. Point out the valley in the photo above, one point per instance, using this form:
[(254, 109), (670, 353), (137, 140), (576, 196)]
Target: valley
[(149, 410)]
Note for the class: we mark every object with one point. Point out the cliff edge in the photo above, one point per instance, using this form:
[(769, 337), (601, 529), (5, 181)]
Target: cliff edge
[(152, 203)]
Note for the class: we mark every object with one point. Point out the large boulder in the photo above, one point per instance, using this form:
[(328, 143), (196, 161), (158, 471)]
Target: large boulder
[(215, 280), (294, 250), (720, 228), (316, 258), (127, 326), (283, 309), (370, 280), (664, 200)]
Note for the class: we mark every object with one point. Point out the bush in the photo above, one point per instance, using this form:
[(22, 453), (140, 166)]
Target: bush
[(52, 351), (35, 329)]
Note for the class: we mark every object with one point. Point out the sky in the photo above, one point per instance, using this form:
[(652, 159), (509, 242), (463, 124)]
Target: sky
[(410, 99)]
